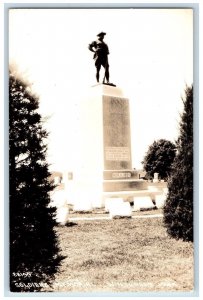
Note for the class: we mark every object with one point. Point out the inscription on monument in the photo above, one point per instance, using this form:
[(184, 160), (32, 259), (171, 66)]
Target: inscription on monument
[(116, 133), (117, 153), (117, 175), (117, 106)]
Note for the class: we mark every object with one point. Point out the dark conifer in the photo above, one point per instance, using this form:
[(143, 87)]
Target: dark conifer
[(178, 211), (34, 251)]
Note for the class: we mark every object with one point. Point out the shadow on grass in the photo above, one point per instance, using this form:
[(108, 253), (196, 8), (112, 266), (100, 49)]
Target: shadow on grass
[(71, 224)]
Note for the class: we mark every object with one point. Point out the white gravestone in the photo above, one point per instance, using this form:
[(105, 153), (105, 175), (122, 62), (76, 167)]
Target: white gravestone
[(58, 199), (142, 203), (160, 200), (62, 215), (120, 210), (156, 177)]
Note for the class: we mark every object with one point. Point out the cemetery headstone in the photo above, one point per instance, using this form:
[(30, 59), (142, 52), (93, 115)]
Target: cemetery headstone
[(143, 203)]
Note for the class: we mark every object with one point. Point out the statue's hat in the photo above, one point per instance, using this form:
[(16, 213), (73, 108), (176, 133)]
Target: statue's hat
[(101, 34)]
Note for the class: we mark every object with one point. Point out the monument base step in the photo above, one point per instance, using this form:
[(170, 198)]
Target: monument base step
[(124, 185), (129, 195)]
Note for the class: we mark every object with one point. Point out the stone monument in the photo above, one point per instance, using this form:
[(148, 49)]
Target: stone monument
[(105, 161)]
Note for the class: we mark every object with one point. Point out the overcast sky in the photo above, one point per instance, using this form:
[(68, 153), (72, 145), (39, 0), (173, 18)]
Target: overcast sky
[(151, 60)]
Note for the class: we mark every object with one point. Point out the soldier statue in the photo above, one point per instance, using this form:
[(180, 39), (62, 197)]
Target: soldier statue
[(101, 52)]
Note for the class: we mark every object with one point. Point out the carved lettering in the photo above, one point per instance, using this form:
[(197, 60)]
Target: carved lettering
[(121, 175), (117, 153)]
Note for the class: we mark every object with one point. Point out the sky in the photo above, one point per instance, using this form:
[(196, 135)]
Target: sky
[(151, 60)]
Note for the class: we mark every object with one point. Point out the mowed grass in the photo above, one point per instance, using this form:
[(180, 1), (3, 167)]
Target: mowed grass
[(122, 255)]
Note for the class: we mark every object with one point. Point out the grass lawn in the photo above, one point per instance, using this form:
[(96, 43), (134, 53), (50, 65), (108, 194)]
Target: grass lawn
[(122, 255)]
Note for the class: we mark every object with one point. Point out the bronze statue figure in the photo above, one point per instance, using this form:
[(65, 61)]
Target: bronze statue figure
[(101, 52)]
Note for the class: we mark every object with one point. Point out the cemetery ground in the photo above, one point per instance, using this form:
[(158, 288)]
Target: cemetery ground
[(122, 255)]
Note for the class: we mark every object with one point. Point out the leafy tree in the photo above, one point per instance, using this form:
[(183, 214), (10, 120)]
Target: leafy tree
[(34, 251), (159, 158), (178, 211)]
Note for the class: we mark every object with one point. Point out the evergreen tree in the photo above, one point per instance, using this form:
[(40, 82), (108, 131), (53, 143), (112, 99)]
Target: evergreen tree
[(178, 211), (34, 251), (159, 158)]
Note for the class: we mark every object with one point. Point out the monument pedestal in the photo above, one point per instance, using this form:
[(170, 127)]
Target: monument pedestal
[(105, 163)]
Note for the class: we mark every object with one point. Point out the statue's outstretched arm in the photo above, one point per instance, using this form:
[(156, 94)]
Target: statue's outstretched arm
[(92, 47)]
